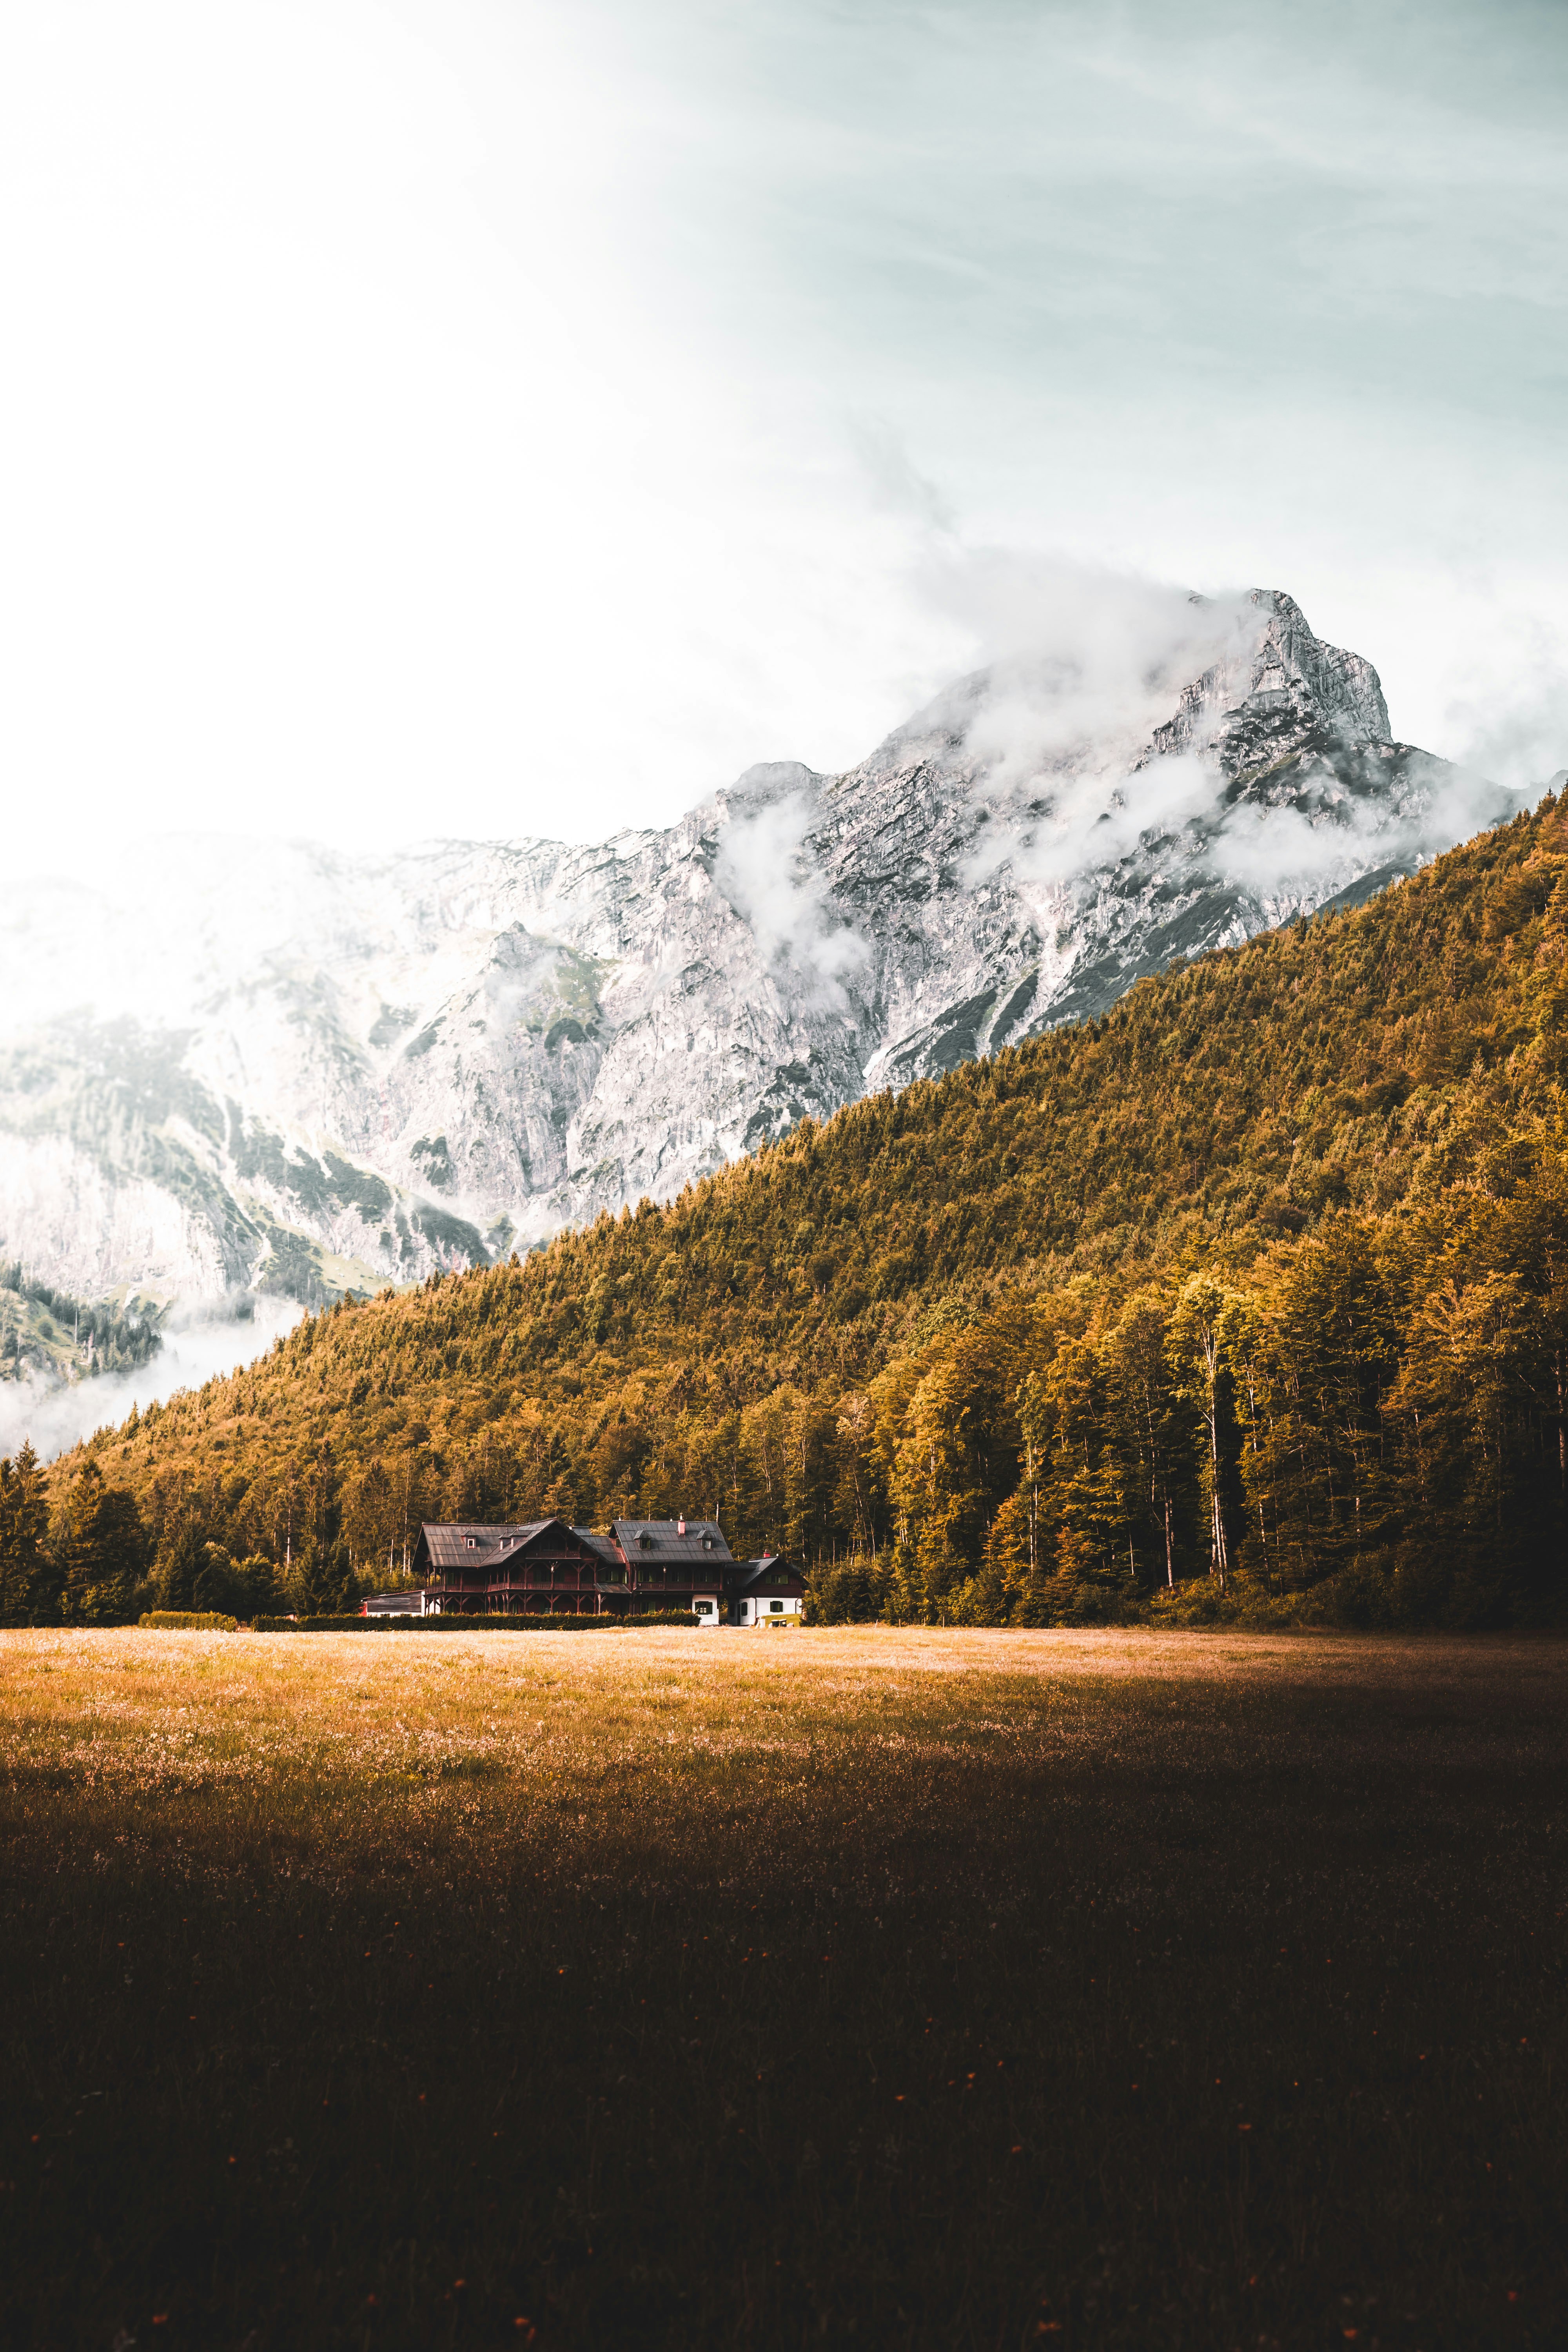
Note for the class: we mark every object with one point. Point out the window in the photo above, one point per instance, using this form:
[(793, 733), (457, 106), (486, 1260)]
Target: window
[(776, 1607)]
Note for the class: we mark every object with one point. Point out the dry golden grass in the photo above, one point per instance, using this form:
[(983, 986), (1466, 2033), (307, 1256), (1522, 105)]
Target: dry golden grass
[(199, 1709), (671, 1988)]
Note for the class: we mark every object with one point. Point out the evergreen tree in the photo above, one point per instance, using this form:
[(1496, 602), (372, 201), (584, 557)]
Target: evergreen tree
[(180, 1560), (1144, 1400), (100, 1545), (324, 1567), (1196, 1347), (28, 1594)]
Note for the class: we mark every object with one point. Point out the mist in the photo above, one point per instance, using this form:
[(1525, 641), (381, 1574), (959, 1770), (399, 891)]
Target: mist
[(197, 1347), (764, 869), (1521, 738)]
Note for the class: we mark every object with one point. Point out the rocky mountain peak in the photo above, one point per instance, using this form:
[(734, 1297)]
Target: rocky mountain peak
[(1280, 690)]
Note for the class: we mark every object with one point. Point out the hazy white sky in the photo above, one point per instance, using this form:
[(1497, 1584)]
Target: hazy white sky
[(490, 416)]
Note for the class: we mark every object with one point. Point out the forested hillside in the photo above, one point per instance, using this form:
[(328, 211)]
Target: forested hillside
[(1255, 1288)]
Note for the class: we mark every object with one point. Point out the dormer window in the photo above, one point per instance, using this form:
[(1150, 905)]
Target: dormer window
[(707, 1543), (645, 1541)]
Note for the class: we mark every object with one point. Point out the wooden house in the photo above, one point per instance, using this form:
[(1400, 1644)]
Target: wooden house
[(543, 1567), (546, 1568), (675, 1564)]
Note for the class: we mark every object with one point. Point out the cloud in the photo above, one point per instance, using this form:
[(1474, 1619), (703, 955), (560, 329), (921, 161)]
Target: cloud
[(198, 1346), (896, 485), (1081, 664), (1521, 736), (1084, 663), (1288, 858), (766, 871)]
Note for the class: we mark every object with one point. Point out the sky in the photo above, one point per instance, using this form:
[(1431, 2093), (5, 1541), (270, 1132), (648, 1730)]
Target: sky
[(487, 417)]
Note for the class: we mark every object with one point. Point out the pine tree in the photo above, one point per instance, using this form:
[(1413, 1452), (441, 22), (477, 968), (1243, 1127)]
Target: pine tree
[(1196, 1351), (180, 1557), (100, 1545), (27, 1590)]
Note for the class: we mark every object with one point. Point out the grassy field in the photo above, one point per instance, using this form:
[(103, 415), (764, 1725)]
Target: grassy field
[(907, 1987)]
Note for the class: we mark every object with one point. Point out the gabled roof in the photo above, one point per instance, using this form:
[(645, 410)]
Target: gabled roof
[(748, 1572), (600, 1546), (463, 1543), (700, 1545)]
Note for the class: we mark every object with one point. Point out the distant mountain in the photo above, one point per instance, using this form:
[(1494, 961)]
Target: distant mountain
[(273, 1065)]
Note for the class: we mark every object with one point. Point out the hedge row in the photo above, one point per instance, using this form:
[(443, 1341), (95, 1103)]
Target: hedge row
[(189, 1620), (456, 1624)]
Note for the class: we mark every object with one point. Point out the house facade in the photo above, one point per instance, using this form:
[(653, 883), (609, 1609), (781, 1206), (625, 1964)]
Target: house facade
[(766, 1591), (541, 1568), (643, 1567)]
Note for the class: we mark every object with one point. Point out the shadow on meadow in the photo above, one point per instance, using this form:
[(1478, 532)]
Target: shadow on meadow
[(921, 1988)]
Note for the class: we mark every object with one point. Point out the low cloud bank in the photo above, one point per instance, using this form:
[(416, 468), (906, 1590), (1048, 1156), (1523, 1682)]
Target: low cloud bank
[(195, 1347), (1284, 855)]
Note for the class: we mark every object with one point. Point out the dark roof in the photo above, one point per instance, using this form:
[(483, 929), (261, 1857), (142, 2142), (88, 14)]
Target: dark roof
[(753, 1571), (463, 1542), (601, 1546), (702, 1544)]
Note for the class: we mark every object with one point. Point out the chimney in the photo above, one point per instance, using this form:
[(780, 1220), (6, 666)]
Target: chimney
[(681, 1526)]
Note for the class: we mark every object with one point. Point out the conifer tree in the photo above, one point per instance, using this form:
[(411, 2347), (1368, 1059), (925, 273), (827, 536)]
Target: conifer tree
[(180, 1560), (101, 1549), (27, 1591), (1196, 1345)]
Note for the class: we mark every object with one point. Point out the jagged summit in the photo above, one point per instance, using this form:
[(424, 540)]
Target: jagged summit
[(1284, 691), (319, 1073)]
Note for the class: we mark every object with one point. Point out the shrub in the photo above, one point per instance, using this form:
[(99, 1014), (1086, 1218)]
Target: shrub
[(461, 1624), (189, 1620)]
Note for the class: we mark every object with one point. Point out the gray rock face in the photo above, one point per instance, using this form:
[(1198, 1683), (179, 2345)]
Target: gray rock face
[(271, 1065)]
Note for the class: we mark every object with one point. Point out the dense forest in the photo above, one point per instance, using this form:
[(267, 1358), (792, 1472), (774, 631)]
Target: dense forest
[(1250, 1297)]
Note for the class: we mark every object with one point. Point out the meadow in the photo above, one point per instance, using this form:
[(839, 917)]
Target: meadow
[(905, 1987)]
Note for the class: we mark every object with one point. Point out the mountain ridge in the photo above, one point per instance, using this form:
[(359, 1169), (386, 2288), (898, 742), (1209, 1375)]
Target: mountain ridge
[(345, 1071)]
